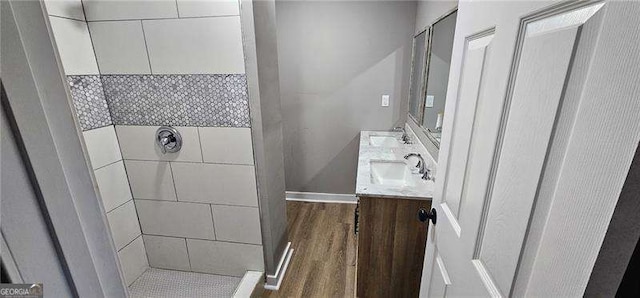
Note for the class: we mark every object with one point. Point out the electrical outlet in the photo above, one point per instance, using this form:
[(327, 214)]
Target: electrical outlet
[(385, 100), (429, 101)]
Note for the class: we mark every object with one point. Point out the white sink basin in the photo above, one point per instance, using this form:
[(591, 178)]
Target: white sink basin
[(383, 141), (391, 173)]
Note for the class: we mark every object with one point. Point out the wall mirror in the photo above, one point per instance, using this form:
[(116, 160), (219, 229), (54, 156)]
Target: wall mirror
[(418, 66), (432, 50)]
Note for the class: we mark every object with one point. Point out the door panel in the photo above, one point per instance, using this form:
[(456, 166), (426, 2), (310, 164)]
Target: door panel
[(517, 92), (428, 262), (476, 48), (595, 147), (440, 279), (545, 56)]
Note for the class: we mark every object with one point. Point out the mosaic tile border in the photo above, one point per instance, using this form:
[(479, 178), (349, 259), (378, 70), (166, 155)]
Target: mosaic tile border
[(89, 101), (216, 100), (181, 100)]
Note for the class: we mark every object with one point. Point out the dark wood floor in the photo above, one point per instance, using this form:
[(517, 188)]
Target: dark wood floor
[(324, 257)]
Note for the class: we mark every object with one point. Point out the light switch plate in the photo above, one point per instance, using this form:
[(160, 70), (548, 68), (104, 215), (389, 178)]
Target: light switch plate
[(429, 102), (385, 100)]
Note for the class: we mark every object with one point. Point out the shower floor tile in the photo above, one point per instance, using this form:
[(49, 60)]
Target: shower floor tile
[(158, 283)]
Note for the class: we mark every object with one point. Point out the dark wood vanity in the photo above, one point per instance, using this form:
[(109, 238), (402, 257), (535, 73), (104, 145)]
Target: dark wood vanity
[(391, 242), (392, 191)]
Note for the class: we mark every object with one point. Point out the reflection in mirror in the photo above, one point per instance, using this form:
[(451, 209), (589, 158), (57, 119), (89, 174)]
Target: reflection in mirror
[(417, 74), (441, 46)]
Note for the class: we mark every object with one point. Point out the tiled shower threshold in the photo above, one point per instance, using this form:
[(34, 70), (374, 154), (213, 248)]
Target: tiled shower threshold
[(158, 283)]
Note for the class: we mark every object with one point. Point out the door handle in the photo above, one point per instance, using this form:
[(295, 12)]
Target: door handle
[(424, 215)]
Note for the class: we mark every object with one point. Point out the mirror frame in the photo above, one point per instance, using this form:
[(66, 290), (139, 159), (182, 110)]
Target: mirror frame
[(423, 90), (423, 86)]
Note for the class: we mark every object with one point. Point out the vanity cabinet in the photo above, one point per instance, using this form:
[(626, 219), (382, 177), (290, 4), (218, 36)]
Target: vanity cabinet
[(391, 242)]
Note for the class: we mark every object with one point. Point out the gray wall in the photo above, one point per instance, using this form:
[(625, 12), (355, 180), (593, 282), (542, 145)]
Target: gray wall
[(429, 11), (337, 58)]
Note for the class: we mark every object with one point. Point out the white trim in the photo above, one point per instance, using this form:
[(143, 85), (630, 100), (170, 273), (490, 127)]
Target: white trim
[(274, 281), (248, 285), (321, 197)]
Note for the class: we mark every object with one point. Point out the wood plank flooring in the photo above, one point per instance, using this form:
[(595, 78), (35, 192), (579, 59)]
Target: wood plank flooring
[(324, 256)]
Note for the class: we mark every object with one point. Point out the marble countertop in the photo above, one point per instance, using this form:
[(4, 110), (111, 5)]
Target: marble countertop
[(422, 189)]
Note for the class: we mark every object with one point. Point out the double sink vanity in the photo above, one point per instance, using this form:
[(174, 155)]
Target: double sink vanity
[(387, 167), (394, 196), (395, 184)]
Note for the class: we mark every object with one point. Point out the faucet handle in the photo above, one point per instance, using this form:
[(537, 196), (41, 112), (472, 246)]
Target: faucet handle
[(406, 138), (164, 141), (428, 176)]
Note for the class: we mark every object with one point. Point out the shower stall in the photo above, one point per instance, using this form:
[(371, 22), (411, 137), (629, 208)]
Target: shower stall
[(172, 105)]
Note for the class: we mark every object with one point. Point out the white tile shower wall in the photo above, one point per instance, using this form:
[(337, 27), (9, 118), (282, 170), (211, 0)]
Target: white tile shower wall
[(177, 219), (104, 153), (138, 143), (124, 225), (167, 252), (106, 10), (113, 185), (202, 58), (203, 8), (215, 183), (226, 145), (215, 202), (133, 260), (102, 146), (224, 258), (78, 61), (237, 224), (171, 44), (129, 57), (195, 181), (196, 79), (151, 180), (74, 46), (71, 9)]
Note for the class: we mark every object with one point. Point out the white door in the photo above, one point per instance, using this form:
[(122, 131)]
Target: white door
[(542, 120)]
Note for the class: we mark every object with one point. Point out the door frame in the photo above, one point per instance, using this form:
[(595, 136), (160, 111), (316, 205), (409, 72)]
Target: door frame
[(52, 144), (623, 235)]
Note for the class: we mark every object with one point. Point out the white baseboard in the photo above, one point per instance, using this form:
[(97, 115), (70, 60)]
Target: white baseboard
[(274, 281), (321, 197)]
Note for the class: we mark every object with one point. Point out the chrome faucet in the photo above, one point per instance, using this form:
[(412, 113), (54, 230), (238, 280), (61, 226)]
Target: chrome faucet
[(405, 137), (428, 176), (420, 164), (426, 173)]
